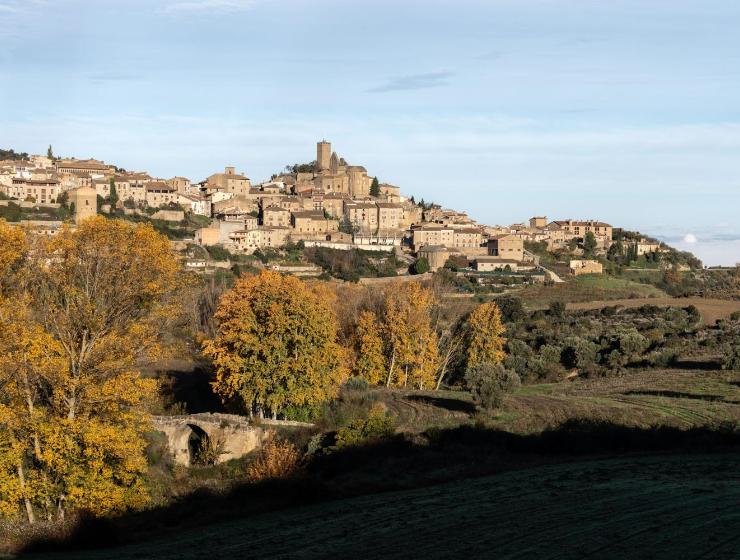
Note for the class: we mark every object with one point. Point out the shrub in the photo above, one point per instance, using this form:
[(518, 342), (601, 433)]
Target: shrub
[(421, 266), (579, 353), (276, 459), (663, 358), (356, 383), (732, 358), (209, 450), (557, 309), (377, 426), (488, 383), (512, 309)]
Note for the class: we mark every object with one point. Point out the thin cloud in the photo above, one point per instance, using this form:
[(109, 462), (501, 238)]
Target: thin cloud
[(414, 81), (207, 6)]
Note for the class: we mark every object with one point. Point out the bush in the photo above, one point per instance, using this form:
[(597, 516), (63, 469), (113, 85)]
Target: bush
[(732, 358), (218, 253), (512, 309), (376, 427), (557, 309), (579, 353), (488, 383), (421, 266), (356, 383), (276, 459)]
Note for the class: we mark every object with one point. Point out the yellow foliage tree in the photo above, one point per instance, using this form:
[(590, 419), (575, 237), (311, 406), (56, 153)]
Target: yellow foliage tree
[(72, 411), (485, 336), (371, 362), (410, 340), (276, 345), (13, 245)]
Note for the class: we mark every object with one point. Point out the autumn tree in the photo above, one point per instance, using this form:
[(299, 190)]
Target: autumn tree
[(89, 305), (13, 246), (370, 363), (275, 345), (485, 336), (409, 339)]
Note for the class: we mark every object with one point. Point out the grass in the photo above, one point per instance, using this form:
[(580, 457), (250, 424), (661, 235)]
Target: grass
[(642, 398), (660, 507), (546, 491), (589, 287)]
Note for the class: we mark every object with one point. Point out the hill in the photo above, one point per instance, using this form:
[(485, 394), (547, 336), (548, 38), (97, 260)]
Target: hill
[(654, 507)]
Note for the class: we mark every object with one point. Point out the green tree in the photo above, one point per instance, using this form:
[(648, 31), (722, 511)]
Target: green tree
[(50, 153), (375, 188), (589, 244), (113, 196), (421, 266)]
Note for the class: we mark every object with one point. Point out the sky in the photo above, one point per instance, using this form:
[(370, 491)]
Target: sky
[(622, 110)]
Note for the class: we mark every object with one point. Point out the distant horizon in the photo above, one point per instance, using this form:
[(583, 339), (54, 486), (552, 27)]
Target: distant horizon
[(622, 111)]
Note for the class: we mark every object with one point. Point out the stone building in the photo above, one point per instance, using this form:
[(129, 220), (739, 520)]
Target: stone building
[(507, 246), (538, 222), (229, 181), (390, 215), (333, 175), (85, 200), (275, 216), (159, 193), (579, 228), (435, 255), (489, 264), (578, 267), (312, 222), (362, 215)]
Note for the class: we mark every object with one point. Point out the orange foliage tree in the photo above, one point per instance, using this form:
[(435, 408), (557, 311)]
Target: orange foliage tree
[(275, 345)]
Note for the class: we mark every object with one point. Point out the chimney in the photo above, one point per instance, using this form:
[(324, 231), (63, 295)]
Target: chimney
[(230, 171)]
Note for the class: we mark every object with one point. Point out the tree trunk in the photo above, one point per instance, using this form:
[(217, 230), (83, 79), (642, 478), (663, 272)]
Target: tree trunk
[(26, 501), (390, 369)]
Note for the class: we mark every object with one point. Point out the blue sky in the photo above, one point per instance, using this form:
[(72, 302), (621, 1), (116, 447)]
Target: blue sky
[(623, 110)]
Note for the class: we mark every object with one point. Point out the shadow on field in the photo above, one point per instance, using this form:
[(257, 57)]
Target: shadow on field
[(397, 463), (701, 365), (453, 405), (676, 395)]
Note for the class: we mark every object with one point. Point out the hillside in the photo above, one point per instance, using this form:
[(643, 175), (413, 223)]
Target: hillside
[(656, 507)]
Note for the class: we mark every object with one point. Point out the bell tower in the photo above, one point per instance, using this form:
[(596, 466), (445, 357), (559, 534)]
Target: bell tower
[(323, 155)]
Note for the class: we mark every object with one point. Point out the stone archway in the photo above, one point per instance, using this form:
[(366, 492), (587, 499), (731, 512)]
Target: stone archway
[(234, 435), (198, 444)]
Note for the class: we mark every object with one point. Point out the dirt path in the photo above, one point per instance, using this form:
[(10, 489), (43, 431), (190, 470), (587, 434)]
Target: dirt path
[(710, 309)]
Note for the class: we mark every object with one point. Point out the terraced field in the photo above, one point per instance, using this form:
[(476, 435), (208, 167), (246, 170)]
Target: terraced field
[(646, 398), (663, 507)]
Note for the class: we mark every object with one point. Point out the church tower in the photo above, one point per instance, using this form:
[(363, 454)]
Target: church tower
[(323, 155)]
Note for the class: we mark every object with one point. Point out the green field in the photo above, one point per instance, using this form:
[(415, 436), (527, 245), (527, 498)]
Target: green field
[(590, 287), (655, 507), (681, 398)]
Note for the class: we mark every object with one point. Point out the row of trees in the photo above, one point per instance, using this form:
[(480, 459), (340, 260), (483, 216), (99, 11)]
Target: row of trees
[(280, 343), (78, 313)]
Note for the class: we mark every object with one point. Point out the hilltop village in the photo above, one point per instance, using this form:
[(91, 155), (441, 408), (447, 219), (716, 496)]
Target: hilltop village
[(327, 203)]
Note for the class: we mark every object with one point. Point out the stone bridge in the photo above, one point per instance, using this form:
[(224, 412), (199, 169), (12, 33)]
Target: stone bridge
[(233, 435)]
